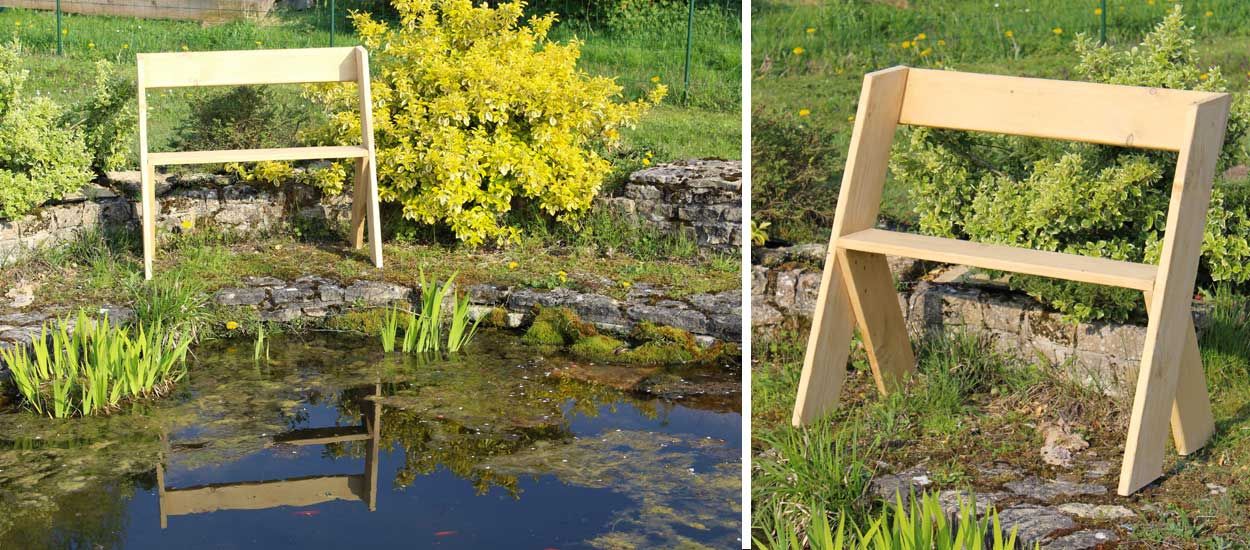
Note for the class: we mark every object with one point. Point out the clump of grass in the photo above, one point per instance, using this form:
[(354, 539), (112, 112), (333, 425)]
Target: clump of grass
[(88, 366), (918, 524), (171, 301), (423, 331), (260, 348)]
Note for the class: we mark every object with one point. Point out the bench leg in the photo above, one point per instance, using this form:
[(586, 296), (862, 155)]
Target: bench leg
[(879, 318), (147, 203)]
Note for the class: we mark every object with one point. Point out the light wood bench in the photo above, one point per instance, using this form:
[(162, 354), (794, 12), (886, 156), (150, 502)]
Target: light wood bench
[(233, 68), (857, 291)]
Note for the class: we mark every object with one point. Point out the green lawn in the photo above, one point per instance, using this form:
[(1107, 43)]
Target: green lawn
[(809, 59), (705, 125)]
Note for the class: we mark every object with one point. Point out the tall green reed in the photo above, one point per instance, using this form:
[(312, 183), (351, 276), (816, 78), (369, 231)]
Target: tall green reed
[(422, 331)]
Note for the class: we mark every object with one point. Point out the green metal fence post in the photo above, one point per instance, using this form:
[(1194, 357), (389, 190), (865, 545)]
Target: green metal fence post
[(685, 91), (60, 38), (1102, 34), (331, 23)]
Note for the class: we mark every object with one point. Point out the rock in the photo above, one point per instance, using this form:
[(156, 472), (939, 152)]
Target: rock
[(1033, 523), (1061, 443), (1096, 511), (240, 296), (951, 501), (1098, 469), (1216, 489), (375, 293), (620, 377), (1048, 490), (22, 294), (904, 484), (1083, 540)]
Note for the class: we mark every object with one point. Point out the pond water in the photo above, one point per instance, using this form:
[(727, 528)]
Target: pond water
[(331, 444)]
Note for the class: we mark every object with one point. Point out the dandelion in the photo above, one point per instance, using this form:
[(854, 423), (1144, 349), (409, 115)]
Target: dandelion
[(906, 44), (1057, 30), (512, 264), (185, 48), (921, 36), (1150, 2), (564, 277), (925, 52), (1209, 13), (655, 79), (941, 42), (91, 45), (18, 23), (64, 32), (626, 284), (811, 30), (187, 224), (804, 112), (1204, 76), (1009, 34), (231, 325), (125, 46), (1097, 11), (798, 50), (850, 118), (646, 162), (650, 154)]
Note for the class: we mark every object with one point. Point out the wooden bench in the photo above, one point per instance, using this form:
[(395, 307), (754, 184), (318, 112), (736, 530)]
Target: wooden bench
[(297, 66), (857, 291)]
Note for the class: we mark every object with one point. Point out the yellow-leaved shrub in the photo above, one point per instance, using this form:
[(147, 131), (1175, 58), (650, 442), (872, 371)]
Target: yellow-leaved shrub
[(476, 111)]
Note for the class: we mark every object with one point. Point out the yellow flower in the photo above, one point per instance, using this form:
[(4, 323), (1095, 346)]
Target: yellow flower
[(18, 23), (650, 154), (564, 277), (1009, 34), (259, 43), (921, 36), (64, 32), (811, 30), (798, 50), (1057, 30), (188, 224), (1150, 2), (941, 42), (231, 325), (125, 46), (655, 79), (1209, 13), (925, 52), (626, 284), (804, 112), (1204, 76), (850, 118), (646, 162), (1097, 11), (91, 45), (906, 44), (185, 48), (512, 265)]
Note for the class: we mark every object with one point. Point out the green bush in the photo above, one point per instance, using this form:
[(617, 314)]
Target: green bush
[(475, 112), (40, 159), (795, 167), (625, 15), (108, 118), (1081, 198)]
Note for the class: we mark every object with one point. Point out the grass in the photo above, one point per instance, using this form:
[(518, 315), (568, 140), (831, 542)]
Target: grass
[(972, 405), (839, 41), (706, 125)]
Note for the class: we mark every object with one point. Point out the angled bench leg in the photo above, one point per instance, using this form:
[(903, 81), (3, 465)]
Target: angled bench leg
[(874, 301), (1170, 333), (360, 205), (828, 347), (1192, 421), (374, 216), (147, 188)]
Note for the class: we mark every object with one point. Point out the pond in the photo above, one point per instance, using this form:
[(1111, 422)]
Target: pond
[(331, 443)]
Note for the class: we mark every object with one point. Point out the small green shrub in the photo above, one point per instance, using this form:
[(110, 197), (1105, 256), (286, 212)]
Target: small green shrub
[(109, 119), (168, 300), (40, 159), (475, 111), (918, 524), (96, 367), (1080, 198), (556, 326), (243, 117), (796, 168)]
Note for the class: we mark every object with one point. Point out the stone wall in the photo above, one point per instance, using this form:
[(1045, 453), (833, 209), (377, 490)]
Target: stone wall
[(194, 199), (702, 198), (785, 283)]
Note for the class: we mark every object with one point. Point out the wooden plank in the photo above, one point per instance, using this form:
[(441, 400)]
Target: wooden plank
[(1085, 269), (859, 201), (233, 68), (1192, 421), (1171, 303), (322, 436), (147, 189), (256, 155), (1079, 111), (262, 494), (870, 287), (360, 204), (366, 140)]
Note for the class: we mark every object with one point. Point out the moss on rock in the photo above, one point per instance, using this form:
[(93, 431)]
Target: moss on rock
[(366, 321), (557, 326), (599, 348), (498, 317)]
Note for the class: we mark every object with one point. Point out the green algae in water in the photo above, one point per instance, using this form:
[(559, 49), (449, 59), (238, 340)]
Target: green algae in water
[(494, 417)]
